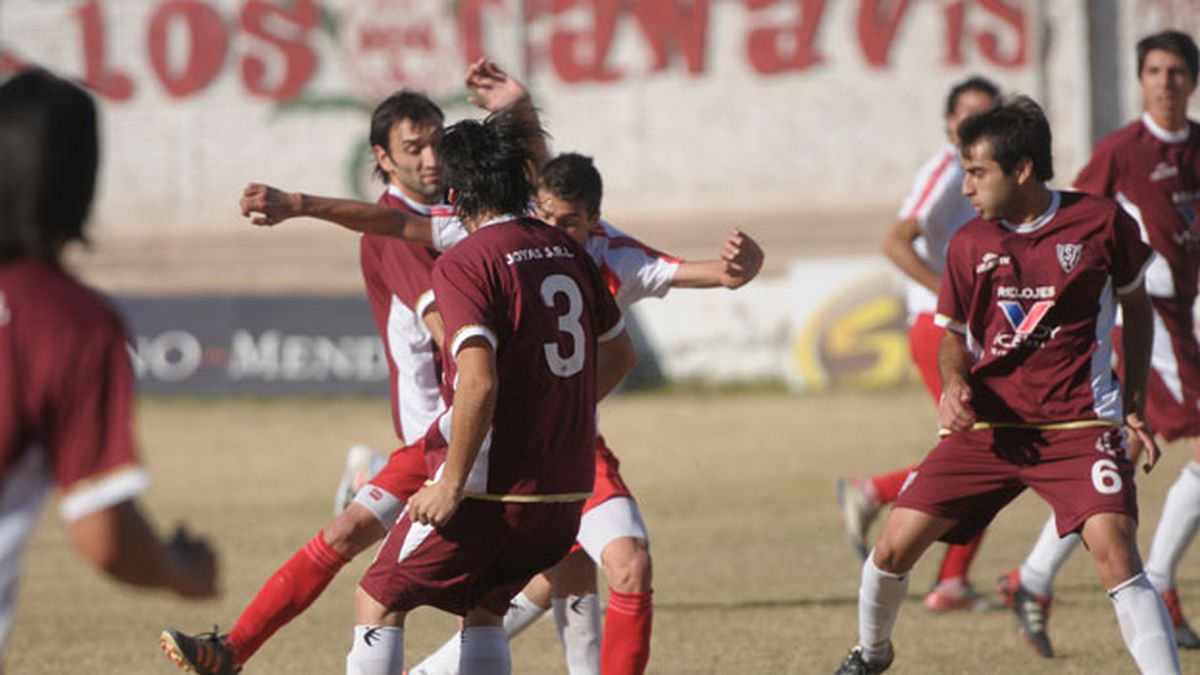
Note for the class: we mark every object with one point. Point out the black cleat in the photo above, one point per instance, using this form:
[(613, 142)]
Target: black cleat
[(1032, 614), (204, 654), (855, 664)]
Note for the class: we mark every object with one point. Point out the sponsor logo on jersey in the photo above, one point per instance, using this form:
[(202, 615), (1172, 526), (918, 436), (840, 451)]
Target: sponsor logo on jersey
[(1029, 331), (991, 261), (1025, 292), (1164, 171), (1113, 443), (1069, 255)]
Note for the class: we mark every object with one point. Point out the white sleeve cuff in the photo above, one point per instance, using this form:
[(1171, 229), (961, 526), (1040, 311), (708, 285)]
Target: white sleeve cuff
[(946, 322), (423, 303), (1139, 279), (99, 494), (474, 330), (612, 332)]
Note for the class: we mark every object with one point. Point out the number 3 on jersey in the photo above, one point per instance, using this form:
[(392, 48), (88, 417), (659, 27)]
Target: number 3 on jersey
[(552, 287)]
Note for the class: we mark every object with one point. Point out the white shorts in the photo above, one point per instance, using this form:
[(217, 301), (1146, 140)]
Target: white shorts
[(614, 518)]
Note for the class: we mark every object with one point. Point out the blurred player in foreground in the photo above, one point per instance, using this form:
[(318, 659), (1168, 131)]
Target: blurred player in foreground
[(66, 385), (934, 210), (1152, 168), (534, 333), (1029, 300), (612, 533)]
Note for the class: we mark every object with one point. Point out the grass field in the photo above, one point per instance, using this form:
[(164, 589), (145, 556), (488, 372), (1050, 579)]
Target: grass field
[(751, 571)]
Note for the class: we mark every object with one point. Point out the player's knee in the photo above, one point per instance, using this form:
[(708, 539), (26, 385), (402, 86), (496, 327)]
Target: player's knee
[(628, 568), (354, 530), (890, 558)]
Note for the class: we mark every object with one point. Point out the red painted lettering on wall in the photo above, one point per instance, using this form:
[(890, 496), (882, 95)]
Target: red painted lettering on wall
[(775, 49), (669, 28), (877, 24), (300, 61), (206, 47), (96, 73), (989, 44), (579, 55)]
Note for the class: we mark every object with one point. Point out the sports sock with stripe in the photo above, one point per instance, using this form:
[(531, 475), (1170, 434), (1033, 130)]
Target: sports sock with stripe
[(627, 626)]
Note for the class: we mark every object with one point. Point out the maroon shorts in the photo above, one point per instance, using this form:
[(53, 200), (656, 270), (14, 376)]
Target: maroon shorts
[(970, 476), (1173, 389), (481, 558)]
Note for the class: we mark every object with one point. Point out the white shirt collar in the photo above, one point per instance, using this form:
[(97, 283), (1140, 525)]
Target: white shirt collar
[(498, 219), (1164, 135), (1039, 222), (423, 209)]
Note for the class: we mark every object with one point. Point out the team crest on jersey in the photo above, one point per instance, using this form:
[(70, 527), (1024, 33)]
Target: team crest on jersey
[(1069, 255)]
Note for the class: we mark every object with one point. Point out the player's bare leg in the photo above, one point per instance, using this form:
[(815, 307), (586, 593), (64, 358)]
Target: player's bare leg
[(378, 647), (906, 535), (1145, 625), (1175, 531)]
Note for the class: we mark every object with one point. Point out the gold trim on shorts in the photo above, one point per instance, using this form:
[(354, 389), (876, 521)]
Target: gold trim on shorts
[(1053, 426)]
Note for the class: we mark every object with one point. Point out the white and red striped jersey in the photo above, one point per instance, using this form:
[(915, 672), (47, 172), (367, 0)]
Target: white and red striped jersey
[(632, 270), (937, 204)]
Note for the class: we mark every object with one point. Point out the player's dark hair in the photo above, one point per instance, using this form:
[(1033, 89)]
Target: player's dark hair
[(1179, 44), (488, 164), (402, 105), (976, 83), (573, 177), (1016, 129), (49, 152)]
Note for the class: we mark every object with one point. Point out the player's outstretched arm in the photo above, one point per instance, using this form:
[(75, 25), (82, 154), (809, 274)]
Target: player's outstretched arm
[(120, 542), (267, 206), (955, 412), (1137, 335), (741, 260), (493, 90), (614, 359), (898, 247)]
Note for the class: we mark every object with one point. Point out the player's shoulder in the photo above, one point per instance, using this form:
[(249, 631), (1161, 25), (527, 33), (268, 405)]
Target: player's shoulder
[(54, 299), (1082, 204), (1132, 133)]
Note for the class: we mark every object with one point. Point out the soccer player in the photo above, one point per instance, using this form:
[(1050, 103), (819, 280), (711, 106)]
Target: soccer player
[(534, 330), (404, 131), (1029, 299), (932, 213), (66, 386), (612, 532), (1152, 168)]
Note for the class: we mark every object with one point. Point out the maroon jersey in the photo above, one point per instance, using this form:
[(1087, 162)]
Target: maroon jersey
[(397, 276), (66, 386), (1036, 303), (1155, 175), (536, 296)]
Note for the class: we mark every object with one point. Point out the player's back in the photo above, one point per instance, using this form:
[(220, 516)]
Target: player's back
[(544, 304), (56, 336)]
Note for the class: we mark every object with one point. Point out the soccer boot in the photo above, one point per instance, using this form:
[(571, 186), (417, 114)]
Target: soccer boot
[(361, 464), (957, 596), (1032, 614), (204, 654), (858, 512), (1185, 637), (855, 664), (1007, 585)]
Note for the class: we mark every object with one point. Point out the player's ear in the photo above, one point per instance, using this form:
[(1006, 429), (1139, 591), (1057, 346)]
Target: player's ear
[(381, 156), (1024, 170), (451, 196)]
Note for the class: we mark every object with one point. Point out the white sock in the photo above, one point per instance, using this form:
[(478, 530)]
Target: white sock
[(577, 618), (485, 651), (879, 599), (521, 615), (1176, 528), (377, 650), (1145, 626), (1046, 559)]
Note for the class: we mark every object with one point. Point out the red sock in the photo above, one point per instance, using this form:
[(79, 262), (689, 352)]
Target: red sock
[(887, 486), (289, 591), (625, 649), (958, 559)]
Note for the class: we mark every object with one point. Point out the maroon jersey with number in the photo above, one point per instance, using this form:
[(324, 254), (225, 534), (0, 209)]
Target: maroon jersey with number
[(1036, 303), (536, 296), (397, 276), (1155, 175)]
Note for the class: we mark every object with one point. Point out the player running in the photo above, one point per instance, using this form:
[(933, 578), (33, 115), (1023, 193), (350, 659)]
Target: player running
[(1152, 168), (66, 385), (934, 210), (1029, 300)]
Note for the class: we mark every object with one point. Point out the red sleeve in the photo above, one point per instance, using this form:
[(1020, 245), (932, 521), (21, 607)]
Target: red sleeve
[(466, 300), (1129, 253), (1096, 178), (606, 315), (89, 431), (954, 294)]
